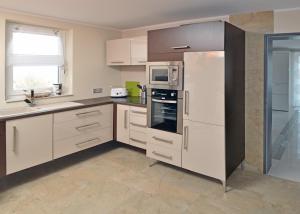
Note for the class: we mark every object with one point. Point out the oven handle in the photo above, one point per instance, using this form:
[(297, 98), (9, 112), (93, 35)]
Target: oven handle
[(164, 101)]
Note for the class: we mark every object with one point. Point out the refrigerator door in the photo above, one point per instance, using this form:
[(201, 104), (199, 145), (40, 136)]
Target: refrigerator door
[(204, 85)]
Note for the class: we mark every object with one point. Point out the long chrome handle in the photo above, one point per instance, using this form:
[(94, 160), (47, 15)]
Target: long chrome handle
[(162, 155), (138, 112), (125, 119), (117, 62), (14, 139), (142, 61), (138, 141), (186, 137), (186, 102), (88, 113), (163, 140), (79, 128), (165, 101), (82, 144), (181, 47), (138, 125)]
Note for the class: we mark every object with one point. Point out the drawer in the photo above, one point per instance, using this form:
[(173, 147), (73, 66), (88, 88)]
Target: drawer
[(77, 127), (138, 111), (164, 154), (138, 123), (83, 114), (138, 139), (165, 139), (81, 142)]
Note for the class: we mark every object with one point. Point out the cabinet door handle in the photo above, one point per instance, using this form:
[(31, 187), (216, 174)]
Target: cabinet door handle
[(14, 139), (138, 141), (186, 102), (138, 112), (163, 140), (125, 119), (117, 62), (92, 125), (181, 47), (82, 144), (162, 155), (142, 61), (89, 113), (186, 137), (138, 125)]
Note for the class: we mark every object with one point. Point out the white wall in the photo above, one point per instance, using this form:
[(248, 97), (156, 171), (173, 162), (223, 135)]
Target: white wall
[(87, 64), (287, 21)]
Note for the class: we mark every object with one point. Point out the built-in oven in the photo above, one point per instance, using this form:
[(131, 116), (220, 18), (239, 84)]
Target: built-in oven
[(165, 75), (165, 110)]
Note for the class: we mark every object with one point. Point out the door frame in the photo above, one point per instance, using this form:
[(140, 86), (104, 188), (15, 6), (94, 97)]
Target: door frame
[(268, 39)]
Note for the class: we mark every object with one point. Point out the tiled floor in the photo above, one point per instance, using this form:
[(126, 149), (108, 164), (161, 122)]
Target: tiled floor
[(288, 167), (114, 179)]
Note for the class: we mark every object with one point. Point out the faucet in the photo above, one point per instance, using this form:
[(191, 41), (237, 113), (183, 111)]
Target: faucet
[(31, 100)]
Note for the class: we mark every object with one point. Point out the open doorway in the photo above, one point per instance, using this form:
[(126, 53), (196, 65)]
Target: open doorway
[(282, 106)]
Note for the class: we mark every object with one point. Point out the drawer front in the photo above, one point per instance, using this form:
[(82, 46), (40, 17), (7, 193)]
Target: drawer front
[(74, 128), (83, 114), (164, 154), (165, 139), (138, 139), (138, 123), (138, 111), (71, 145)]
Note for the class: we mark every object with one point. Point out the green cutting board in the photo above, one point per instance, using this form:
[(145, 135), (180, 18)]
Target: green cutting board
[(133, 90)]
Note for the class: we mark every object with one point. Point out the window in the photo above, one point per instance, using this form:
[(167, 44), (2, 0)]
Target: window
[(35, 58)]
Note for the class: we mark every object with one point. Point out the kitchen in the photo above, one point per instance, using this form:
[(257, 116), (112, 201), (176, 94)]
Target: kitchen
[(145, 139)]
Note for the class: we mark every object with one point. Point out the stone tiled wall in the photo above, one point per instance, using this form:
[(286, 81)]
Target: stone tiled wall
[(255, 24)]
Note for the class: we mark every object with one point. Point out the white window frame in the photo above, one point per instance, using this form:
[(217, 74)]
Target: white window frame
[(15, 94)]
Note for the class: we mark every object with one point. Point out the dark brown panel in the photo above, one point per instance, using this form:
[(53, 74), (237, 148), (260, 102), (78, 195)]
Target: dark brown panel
[(234, 97), (2, 149), (157, 57)]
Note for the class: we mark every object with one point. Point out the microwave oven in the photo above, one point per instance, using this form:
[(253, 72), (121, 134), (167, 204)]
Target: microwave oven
[(165, 75)]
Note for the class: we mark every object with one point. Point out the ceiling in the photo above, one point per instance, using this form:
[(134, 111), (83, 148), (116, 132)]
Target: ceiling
[(124, 14)]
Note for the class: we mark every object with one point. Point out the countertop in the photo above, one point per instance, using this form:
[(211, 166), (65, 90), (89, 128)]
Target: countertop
[(23, 112)]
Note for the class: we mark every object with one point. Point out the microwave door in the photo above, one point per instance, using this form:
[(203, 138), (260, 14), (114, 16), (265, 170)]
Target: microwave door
[(159, 75)]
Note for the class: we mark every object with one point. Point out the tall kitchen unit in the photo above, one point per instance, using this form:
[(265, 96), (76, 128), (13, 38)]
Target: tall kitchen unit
[(214, 93), (214, 108)]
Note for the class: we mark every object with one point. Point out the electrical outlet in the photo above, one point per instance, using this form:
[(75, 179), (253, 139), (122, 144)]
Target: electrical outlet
[(97, 90)]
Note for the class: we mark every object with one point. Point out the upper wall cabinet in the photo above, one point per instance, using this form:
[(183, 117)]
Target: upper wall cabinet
[(170, 44), (127, 51)]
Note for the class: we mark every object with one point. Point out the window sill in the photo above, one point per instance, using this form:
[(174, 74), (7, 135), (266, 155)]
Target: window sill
[(21, 98)]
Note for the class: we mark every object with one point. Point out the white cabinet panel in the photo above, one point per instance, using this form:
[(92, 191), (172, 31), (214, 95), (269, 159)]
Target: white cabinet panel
[(118, 52), (163, 154), (204, 87), (204, 149), (139, 50), (123, 123), (28, 142)]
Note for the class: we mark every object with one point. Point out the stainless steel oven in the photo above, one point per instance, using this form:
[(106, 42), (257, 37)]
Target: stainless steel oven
[(165, 75), (165, 110)]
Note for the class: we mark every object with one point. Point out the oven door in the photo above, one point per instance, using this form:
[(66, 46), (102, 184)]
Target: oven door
[(159, 75), (164, 115)]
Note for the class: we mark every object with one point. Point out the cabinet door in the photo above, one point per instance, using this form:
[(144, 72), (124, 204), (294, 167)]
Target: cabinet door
[(204, 149), (28, 142), (204, 87), (123, 123), (118, 52), (139, 50)]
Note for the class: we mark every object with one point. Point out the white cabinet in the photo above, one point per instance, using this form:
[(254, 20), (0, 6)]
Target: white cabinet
[(123, 123), (127, 51), (132, 125), (164, 146), (118, 52), (28, 142), (204, 149), (81, 129)]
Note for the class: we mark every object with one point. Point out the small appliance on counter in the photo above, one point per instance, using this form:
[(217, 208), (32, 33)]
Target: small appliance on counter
[(118, 92)]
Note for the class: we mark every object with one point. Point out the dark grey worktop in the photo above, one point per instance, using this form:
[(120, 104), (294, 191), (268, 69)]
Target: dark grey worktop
[(132, 101)]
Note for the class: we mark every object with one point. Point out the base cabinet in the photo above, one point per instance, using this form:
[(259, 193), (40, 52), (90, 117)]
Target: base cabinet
[(28, 142), (203, 149), (123, 123)]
